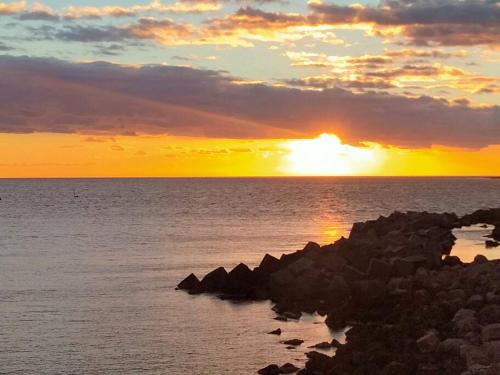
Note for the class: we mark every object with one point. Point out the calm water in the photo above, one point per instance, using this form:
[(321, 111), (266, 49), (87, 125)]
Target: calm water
[(88, 267)]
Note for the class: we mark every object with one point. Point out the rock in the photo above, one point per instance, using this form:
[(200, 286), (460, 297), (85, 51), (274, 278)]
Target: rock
[(475, 302), (378, 269), (401, 267), (395, 368), (489, 314), (496, 232), (268, 265), (239, 279), (322, 345), (281, 318), (491, 332), (293, 342), (189, 282), (490, 244), (474, 355), (292, 314), (451, 346), (275, 332), (335, 343), (493, 350), (214, 281), (480, 259), (269, 370), (463, 313), (452, 260), (428, 343), (288, 368)]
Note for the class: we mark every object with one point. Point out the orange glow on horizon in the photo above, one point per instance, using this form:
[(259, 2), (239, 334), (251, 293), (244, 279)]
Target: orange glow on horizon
[(73, 155)]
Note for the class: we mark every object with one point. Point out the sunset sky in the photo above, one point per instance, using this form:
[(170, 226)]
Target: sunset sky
[(249, 88)]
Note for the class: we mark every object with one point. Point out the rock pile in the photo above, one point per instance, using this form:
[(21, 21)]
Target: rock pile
[(413, 308)]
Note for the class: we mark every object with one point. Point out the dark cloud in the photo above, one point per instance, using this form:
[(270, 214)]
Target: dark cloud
[(38, 16), (424, 22), (102, 98)]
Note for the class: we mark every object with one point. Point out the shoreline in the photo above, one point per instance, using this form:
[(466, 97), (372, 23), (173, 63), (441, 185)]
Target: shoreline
[(412, 307)]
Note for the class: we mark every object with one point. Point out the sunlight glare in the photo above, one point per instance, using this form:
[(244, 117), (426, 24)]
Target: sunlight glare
[(327, 156)]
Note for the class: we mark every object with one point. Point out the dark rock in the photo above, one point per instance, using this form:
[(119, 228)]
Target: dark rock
[(491, 332), (490, 244), (275, 332), (322, 345), (269, 370), (428, 342), (480, 259), (496, 232), (268, 265), (335, 344), (475, 302), (288, 368), (489, 314), (402, 267), (452, 260), (378, 269), (292, 314), (214, 281), (293, 342), (189, 282), (281, 318), (395, 368)]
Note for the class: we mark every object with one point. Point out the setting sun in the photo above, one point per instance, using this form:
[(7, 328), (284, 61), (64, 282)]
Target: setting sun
[(327, 155)]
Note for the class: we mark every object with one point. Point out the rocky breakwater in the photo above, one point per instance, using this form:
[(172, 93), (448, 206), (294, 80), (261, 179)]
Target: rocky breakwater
[(412, 308)]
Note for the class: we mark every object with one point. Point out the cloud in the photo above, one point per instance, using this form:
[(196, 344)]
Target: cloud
[(422, 22), (12, 8), (41, 95)]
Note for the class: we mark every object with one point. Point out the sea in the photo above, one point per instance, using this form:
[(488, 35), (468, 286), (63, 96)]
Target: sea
[(88, 267)]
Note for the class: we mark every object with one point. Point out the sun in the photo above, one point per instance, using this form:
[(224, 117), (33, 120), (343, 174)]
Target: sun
[(328, 156)]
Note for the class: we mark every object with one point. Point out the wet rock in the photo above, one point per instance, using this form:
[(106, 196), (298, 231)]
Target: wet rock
[(428, 343), (189, 282), (275, 332), (288, 368), (269, 370), (293, 342)]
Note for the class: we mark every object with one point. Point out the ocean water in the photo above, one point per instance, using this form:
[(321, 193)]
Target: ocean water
[(88, 267)]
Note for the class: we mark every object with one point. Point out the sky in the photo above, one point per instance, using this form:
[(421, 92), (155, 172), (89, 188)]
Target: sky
[(249, 88)]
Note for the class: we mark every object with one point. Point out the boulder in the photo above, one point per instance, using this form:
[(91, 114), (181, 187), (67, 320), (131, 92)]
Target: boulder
[(275, 332), (428, 343), (288, 368), (395, 368), (475, 302), (189, 282), (491, 332), (401, 267), (480, 259), (214, 281), (451, 260), (269, 370), (268, 265), (379, 269), (293, 342), (489, 314)]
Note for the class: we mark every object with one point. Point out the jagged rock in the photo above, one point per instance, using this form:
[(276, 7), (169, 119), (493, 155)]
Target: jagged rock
[(214, 281), (275, 332), (269, 370), (288, 368), (480, 259), (428, 343), (189, 282), (322, 345), (293, 342), (268, 265)]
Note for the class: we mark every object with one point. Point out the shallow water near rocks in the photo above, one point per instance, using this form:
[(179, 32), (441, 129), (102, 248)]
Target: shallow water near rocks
[(88, 267), (471, 241)]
